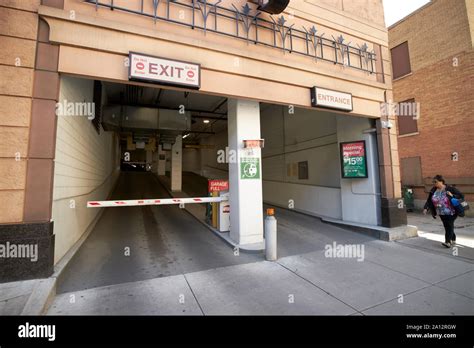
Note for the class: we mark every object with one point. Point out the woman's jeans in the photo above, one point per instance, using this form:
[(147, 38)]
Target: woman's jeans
[(448, 223)]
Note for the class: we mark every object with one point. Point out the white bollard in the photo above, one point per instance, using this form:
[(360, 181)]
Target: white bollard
[(270, 236)]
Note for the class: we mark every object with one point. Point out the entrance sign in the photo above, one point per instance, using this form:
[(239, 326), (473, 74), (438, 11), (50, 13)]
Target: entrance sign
[(327, 98), (164, 71), (353, 160), (217, 185), (249, 168)]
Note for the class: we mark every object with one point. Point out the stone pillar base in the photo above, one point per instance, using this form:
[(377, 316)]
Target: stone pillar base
[(26, 251), (392, 215)]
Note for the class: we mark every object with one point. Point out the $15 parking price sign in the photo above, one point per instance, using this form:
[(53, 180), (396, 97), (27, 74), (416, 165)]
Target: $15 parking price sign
[(353, 159)]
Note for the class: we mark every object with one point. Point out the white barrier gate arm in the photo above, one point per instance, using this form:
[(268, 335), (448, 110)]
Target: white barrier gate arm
[(166, 201)]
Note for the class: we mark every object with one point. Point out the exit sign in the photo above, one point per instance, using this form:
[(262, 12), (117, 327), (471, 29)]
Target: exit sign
[(164, 71)]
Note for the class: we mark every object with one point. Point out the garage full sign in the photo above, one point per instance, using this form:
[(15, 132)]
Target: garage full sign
[(353, 160), (249, 168)]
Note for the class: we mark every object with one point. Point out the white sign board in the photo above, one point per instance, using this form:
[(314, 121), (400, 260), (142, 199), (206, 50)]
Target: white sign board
[(327, 98), (164, 71)]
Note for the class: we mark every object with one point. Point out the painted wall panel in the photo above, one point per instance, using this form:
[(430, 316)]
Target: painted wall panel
[(302, 136), (86, 167)]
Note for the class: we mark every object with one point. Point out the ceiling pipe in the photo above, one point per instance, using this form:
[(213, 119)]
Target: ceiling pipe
[(153, 106)]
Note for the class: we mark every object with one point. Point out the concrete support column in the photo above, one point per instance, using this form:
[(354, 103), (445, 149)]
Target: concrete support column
[(149, 157), (245, 187), (154, 165), (161, 161), (177, 164), (393, 212)]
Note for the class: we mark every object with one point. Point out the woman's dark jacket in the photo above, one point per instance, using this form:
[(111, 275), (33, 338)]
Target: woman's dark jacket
[(429, 202)]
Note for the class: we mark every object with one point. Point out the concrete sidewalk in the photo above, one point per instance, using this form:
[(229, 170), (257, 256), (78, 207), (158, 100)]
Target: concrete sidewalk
[(431, 234), (411, 277), (14, 296), (464, 226), (27, 297), (391, 279)]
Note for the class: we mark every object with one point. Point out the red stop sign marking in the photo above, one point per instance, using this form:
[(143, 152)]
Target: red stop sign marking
[(140, 66), (190, 74)]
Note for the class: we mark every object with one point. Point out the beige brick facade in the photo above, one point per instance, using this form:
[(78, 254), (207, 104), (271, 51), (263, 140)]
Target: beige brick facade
[(18, 32), (29, 80)]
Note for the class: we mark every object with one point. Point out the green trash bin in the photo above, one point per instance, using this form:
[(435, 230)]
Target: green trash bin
[(408, 198)]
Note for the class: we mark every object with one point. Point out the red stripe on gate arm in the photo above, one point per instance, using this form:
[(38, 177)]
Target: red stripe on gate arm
[(120, 203), (94, 203), (197, 199), (177, 200), (141, 202), (157, 201)]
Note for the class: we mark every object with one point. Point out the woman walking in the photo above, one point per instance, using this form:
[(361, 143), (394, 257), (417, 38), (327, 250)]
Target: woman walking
[(439, 203)]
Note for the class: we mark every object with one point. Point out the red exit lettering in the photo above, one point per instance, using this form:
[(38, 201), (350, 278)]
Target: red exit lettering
[(165, 70)]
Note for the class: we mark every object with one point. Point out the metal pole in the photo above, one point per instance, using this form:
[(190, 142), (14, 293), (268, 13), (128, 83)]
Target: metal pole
[(270, 236)]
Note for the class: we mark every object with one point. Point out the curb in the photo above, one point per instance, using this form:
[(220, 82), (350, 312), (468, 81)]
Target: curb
[(41, 298), (383, 233)]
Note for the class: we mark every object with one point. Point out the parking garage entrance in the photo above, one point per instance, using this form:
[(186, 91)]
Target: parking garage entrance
[(127, 166), (138, 143)]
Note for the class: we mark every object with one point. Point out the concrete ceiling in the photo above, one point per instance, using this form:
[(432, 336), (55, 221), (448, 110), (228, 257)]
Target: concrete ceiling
[(202, 106)]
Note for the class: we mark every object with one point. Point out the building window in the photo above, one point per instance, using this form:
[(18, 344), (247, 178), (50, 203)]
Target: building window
[(303, 170), (410, 169), (407, 117), (400, 60)]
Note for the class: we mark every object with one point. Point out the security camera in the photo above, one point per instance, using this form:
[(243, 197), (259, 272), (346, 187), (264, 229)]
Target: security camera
[(387, 124), (271, 6)]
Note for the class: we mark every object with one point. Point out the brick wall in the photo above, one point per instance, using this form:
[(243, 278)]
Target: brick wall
[(434, 33), (442, 81), (85, 167)]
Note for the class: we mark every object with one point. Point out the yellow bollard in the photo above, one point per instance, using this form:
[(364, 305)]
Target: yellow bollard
[(214, 210)]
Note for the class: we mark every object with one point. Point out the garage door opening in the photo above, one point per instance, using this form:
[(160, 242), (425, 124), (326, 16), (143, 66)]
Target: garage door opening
[(138, 142)]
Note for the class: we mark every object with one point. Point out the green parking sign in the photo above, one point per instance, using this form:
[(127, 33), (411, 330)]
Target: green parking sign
[(353, 160), (249, 168)]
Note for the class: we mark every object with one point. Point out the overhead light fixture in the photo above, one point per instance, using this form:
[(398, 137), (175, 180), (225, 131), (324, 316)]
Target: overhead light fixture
[(185, 136), (205, 121)]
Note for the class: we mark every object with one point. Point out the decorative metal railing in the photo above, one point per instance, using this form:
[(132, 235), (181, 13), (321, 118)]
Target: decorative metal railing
[(247, 24)]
